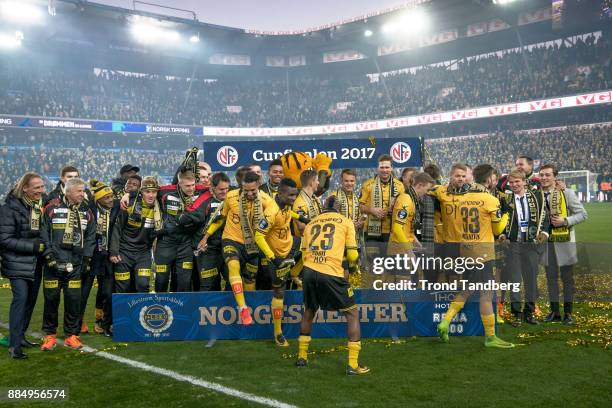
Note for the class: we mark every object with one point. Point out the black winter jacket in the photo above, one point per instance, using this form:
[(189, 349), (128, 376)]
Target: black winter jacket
[(52, 233), (19, 245)]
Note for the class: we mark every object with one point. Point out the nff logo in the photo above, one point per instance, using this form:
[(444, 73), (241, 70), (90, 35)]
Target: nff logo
[(401, 152), (227, 156)]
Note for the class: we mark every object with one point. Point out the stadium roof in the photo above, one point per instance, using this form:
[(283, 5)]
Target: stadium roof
[(266, 15), (102, 36)]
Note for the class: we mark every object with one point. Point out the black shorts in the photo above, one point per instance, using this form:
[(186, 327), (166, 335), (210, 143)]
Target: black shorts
[(376, 246), (449, 250), (248, 262), (480, 275), (322, 291), (279, 278)]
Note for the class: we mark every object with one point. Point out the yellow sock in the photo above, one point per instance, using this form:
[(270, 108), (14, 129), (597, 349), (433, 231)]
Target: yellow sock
[(353, 353), (454, 308), (277, 315), (303, 343), (249, 286), (235, 280), (488, 321)]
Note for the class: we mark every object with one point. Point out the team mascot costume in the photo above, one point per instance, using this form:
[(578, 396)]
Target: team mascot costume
[(295, 163)]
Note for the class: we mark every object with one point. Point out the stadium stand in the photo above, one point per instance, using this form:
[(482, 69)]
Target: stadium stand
[(535, 72)]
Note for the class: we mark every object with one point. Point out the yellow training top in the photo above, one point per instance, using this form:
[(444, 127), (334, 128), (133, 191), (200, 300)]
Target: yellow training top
[(325, 240)]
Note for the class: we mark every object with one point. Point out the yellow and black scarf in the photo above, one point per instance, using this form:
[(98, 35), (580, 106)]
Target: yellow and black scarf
[(417, 206), (103, 226), (73, 221), (35, 212), (270, 189), (247, 225), (119, 193), (139, 210), (314, 208), (459, 190), (376, 201), (536, 215), (186, 201), (558, 206), (349, 205)]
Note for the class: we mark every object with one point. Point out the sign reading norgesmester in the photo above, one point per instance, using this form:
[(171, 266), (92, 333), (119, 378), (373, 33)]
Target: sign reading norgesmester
[(214, 315)]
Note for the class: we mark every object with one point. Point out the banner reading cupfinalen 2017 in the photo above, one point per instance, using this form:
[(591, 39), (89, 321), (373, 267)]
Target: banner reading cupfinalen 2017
[(346, 153), (213, 315)]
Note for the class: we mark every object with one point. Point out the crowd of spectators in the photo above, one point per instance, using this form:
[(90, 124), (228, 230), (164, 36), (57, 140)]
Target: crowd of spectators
[(581, 147), (96, 140), (570, 148), (538, 72), (92, 163), (534, 73)]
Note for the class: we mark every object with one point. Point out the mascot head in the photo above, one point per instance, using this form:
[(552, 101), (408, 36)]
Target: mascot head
[(295, 163)]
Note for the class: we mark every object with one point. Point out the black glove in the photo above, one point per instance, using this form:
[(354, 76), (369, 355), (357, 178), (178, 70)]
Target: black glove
[(282, 266), (282, 262), (39, 246), (504, 207), (51, 262), (303, 219), (353, 268)]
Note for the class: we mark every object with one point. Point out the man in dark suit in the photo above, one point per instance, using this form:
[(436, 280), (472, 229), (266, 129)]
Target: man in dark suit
[(527, 228)]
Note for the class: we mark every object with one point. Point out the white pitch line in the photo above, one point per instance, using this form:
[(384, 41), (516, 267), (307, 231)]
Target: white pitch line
[(178, 376)]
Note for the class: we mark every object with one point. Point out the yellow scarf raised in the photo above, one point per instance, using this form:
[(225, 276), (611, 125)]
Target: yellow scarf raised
[(558, 206), (247, 224)]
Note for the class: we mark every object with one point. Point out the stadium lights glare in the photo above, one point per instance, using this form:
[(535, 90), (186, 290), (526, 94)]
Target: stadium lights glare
[(149, 33), (502, 2), (11, 40), (21, 12), (368, 33), (388, 28), (194, 39), (413, 22)]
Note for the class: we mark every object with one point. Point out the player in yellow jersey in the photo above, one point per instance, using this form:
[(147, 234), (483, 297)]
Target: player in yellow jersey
[(471, 217), (326, 239), (306, 204), (491, 174), (241, 211), (348, 198), (349, 206), (406, 217), (377, 198), (282, 254)]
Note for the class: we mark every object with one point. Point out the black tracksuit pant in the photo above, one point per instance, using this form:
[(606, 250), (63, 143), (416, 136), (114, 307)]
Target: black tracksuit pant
[(133, 273), (55, 281), (176, 259)]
